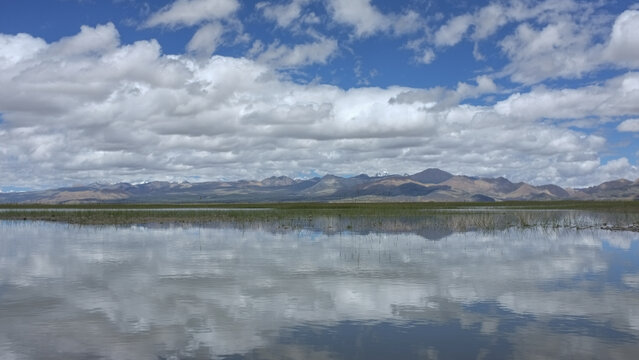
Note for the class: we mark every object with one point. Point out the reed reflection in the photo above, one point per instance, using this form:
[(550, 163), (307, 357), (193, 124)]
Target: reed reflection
[(133, 292)]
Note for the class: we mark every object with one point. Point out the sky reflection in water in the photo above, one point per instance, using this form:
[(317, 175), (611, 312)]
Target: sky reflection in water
[(196, 292)]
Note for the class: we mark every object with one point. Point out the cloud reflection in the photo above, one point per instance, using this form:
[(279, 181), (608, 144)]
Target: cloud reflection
[(138, 292)]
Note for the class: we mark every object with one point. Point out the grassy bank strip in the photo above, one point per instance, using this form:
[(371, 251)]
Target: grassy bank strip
[(632, 206), (615, 215)]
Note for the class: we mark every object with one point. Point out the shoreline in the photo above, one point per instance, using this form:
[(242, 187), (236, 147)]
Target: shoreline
[(608, 215)]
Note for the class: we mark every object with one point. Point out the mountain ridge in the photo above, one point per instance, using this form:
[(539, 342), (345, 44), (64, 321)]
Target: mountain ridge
[(429, 185)]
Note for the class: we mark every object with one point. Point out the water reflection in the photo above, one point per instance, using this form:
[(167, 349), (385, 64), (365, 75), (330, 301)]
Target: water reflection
[(194, 292), (124, 209)]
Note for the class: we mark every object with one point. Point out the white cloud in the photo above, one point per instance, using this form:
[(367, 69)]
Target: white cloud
[(623, 48), (561, 49), (206, 39), (423, 53), (630, 125), (311, 18), (282, 14), (192, 12), (618, 168), (406, 23), (552, 39), (614, 166), (484, 85), (452, 32), (75, 113), (98, 40), (488, 20), (256, 48), (617, 97), (283, 56), (19, 48), (427, 56), (567, 47), (367, 19), (360, 14), (484, 23)]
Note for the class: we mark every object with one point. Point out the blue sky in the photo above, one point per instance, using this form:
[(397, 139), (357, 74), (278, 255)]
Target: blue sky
[(125, 90)]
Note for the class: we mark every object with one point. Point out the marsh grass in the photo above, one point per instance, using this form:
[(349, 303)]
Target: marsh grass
[(337, 217)]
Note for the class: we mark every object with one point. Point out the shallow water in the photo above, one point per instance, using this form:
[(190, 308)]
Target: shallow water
[(79, 292), (141, 209)]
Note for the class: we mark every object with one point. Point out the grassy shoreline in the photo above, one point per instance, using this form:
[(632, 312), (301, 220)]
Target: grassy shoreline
[(612, 205), (611, 215)]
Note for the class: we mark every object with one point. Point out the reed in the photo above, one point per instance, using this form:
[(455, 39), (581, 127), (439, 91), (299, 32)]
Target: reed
[(334, 217)]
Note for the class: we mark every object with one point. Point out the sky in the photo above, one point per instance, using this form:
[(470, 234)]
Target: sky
[(201, 90)]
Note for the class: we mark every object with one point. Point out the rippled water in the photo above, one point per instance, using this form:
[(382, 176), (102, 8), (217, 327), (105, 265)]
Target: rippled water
[(196, 293)]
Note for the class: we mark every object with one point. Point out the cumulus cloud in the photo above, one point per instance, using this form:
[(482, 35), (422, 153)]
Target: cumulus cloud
[(75, 112), (282, 14), (619, 167), (192, 12), (551, 39), (366, 19), (283, 56), (484, 85), (452, 32), (98, 40), (427, 56), (17, 49), (406, 23), (561, 49), (423, 53), (487, 20), (630, 125), (623, 48), (568, 47), (617, 97), (360, 14), (206, 39)]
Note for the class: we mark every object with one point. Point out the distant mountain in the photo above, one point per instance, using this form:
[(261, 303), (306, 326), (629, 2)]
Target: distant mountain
[(277, 181), (431, 176), (617, 189), (427, 185)]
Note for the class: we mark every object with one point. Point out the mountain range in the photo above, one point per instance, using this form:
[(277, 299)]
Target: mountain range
[(427, 185)]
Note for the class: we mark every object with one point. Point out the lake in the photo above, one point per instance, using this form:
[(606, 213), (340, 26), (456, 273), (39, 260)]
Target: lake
[(258, 292)]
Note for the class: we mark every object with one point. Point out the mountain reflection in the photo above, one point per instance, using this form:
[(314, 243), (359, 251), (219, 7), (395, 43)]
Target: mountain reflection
[(196, 292)]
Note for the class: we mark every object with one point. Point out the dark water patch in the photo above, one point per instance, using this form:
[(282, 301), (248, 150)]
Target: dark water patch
[(587, 327), (382, 340)]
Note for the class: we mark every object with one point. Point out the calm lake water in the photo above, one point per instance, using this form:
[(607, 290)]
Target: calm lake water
[(83, 292)]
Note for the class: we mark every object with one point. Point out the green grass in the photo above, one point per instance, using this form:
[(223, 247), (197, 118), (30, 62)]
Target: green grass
[(568, 204), (347, 216)]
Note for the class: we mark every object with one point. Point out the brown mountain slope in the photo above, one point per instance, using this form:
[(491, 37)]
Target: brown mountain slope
[(428, 185)]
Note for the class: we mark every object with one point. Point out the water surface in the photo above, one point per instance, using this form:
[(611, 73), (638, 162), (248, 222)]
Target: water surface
[(133, 209), (171, 292)]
